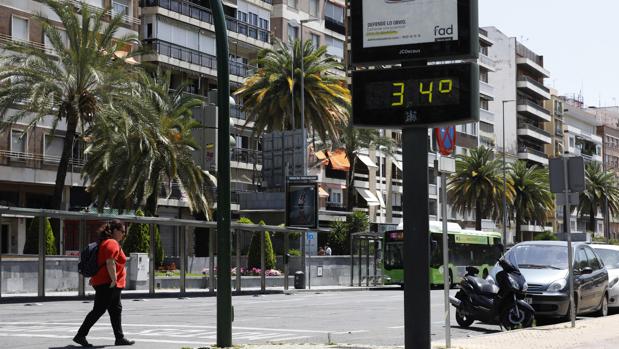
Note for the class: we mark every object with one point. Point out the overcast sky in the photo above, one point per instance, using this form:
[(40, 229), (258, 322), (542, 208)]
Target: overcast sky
[(578, 39)]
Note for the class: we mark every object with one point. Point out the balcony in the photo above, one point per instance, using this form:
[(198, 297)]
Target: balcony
[(531, 154), (204, 14), (246, 156), (335, 24), (486, 90), (534, 132), (483, 36), (35, 160), (236, 112), (533, 109), (531, 61), (487, 62), (192, 56), (486, 116), (7, 39), (125, 19), (533, 87)]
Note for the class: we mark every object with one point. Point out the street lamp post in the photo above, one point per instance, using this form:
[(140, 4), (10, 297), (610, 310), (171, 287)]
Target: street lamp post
[(303, 94), (504, 179)]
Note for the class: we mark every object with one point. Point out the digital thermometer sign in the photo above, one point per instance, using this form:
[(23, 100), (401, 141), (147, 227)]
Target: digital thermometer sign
[(416, 96)]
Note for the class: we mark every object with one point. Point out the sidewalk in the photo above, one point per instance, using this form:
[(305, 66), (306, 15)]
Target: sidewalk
[(598, 333)]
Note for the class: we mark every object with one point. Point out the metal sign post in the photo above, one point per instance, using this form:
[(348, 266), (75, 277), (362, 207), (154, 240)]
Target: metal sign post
[(446, 166), (567, 176)]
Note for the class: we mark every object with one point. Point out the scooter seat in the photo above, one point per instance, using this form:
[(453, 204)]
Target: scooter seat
[(482, 286)]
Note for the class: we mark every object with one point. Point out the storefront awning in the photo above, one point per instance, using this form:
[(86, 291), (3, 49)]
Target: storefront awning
[(322, 193), (338, 160), (380, 199), (397, 164), (368, 196), (367, 161)]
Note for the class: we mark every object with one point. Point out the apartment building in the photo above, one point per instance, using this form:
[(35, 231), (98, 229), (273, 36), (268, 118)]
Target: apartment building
[(28, 161)]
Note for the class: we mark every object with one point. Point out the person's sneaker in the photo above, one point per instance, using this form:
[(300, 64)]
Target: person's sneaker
[(81, 340), (124, 341)]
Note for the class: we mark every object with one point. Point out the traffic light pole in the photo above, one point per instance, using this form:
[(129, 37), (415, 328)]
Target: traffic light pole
[(224, 291)]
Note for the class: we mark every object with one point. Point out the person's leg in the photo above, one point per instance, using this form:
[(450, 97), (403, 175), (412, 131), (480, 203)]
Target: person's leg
[(115, 310), (102, 301)]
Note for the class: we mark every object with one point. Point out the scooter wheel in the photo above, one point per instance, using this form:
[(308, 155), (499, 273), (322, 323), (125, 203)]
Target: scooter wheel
[(516, 317), (463, 320)]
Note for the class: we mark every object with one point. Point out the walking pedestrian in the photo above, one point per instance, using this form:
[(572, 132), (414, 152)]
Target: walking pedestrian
[(327, 250), (108, 283)]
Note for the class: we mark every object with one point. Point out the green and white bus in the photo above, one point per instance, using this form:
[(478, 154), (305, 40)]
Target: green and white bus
[(466, 247)]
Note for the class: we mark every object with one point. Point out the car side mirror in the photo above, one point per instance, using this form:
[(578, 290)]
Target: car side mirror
[(586, 270)]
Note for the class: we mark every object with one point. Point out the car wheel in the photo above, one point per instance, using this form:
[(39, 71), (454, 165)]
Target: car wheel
[(463, 320), (603, 311), (516, 317)]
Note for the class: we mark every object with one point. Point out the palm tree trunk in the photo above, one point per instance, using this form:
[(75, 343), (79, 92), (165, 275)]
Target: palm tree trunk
[(67, 150), (518, 227), (592, 212), (150, 210), (478, 210)]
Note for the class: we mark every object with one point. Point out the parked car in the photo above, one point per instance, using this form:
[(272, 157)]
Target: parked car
[(544, 266), (610, 257)]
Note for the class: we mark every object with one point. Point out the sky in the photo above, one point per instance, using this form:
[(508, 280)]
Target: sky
[(578, 39)]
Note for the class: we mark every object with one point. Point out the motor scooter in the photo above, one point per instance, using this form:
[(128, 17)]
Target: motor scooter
[(501, 303)]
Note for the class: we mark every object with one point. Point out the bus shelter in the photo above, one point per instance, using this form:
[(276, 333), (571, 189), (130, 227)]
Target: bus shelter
[(366, 246)]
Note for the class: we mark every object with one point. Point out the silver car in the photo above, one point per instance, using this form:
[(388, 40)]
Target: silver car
[(610, 257), (544, 266)]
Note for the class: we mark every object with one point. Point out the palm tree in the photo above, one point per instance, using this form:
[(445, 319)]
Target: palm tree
[(82, 79), (354, 139), (600, 185), (150, 154), (532, 196), (478, 184), (267, 95)]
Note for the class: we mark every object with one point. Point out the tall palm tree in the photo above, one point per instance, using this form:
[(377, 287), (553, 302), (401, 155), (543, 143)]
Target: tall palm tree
[(478, 184), (152, 154), (354, 139), (532, 196), (268, 94), (75, 85), (599, 185)]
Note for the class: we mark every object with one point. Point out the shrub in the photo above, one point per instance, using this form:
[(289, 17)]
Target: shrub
[(339, 237), (545, 236), (32, 238), (294, 252), (138, 240), (253, 256)]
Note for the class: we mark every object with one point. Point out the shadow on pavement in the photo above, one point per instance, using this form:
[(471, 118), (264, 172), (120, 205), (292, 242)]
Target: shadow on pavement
[(479, 329), (71, 346)]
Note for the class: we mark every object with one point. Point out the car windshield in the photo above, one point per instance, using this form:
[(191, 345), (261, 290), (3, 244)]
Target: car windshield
[(538, 256), (609, 257)]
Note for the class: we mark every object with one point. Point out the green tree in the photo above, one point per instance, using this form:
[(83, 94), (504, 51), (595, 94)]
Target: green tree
[(339, 237), (546, 235), (253, 255), (532, 197), (155, 155), (600, 186), (81, 83), (32, 238), (138, 240), (478, 184), (267, 94)]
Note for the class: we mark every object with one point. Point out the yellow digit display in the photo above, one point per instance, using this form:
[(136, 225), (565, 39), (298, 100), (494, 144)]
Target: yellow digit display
[(399, 94), (442, 88), (428, 91)]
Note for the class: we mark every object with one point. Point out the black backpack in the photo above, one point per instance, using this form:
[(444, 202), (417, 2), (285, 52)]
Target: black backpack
[(88, 265)]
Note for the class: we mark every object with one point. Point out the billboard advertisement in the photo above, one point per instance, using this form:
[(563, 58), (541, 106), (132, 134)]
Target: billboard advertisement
[(402, 22), (302, 204)]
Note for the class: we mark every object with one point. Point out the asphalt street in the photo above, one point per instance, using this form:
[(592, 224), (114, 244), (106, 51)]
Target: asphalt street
[(372, 317)]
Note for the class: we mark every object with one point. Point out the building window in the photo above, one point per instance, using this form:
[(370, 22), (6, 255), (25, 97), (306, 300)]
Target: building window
[(334, 12), (315, 40), (18, 141), (120, 7), (19, 29), (313, 8), (241, 16), (292, 3), (52, 149), (149, 30), (335, 196), (483, 104), (335, 47), (483, 75), (293, 32), (253, 19), (483, 50), (264, 24)]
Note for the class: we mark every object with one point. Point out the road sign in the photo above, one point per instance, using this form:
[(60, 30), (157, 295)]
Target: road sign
[(416, 96), (446, 139), (575, 173), (311, 235), (402, 30)]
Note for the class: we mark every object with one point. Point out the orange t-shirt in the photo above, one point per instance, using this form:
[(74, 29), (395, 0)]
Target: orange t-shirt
[(110, 249)]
